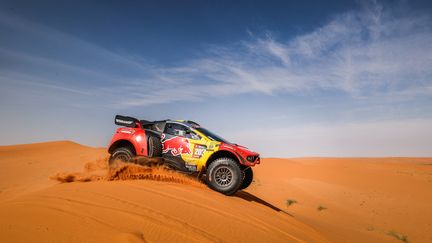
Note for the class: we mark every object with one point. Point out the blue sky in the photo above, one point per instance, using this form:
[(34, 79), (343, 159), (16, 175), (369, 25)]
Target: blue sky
[(285, 78)]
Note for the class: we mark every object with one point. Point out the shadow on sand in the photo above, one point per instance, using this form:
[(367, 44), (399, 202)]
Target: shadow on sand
[(252, 198)]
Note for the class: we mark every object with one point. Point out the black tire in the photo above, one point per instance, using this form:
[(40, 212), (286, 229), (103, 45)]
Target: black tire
[(224, 175), (122, 154), (154, 147), (247, 178)]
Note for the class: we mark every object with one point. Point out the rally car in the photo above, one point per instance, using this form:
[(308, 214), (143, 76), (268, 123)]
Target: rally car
[(187, 147)]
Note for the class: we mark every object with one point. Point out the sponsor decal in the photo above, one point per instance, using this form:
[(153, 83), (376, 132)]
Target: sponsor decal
[(211, 147), (199, 150), (123, 121), (176, 145)]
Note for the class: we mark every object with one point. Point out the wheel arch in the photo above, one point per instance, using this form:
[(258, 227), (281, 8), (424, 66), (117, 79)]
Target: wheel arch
[(122, 143), (222, 154)]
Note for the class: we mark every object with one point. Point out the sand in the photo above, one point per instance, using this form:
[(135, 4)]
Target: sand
[(62, 192)]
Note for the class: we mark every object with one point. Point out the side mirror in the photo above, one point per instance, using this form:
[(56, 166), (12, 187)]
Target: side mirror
[(188, 131)]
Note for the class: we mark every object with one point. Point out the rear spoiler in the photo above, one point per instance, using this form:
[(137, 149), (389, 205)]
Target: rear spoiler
[(126, 121)]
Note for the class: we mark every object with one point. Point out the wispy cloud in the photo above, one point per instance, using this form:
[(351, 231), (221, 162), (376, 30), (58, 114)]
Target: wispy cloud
[(371, 52), (60, 46), (365, 53)]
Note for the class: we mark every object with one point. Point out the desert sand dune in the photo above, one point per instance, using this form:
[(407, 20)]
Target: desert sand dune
[(366, 199), (25, 168), (360, 200)]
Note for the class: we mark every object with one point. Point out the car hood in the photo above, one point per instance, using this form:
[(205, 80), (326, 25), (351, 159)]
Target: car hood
[(239, 148)]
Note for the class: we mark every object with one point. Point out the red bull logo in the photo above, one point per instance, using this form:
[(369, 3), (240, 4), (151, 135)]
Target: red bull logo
[(177, 145)]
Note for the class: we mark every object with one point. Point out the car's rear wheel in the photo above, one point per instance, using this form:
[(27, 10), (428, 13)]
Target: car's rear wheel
[(247, 178), (224, 175), (120, 155), (154, 147)]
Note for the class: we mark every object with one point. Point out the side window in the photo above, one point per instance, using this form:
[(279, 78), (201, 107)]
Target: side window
[(159, 126), (175, 129), (180, 130), (194, 136)]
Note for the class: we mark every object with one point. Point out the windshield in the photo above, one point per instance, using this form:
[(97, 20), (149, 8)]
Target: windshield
[(211, 135)]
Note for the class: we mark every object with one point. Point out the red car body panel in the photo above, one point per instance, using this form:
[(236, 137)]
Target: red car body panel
[(241, 153), (136, 136)]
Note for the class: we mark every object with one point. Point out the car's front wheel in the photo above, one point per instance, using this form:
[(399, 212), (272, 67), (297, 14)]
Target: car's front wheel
[(224, 175)]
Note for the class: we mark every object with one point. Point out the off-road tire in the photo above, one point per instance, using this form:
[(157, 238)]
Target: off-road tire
[(122, 154), (247, 178), (224, 175), (154, 147)]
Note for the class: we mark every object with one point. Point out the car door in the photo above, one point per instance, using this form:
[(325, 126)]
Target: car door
[(180, 144), (198, 145), (175, 145)]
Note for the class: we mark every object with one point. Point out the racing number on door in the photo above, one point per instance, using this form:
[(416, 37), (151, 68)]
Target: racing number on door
[(199, 151)]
